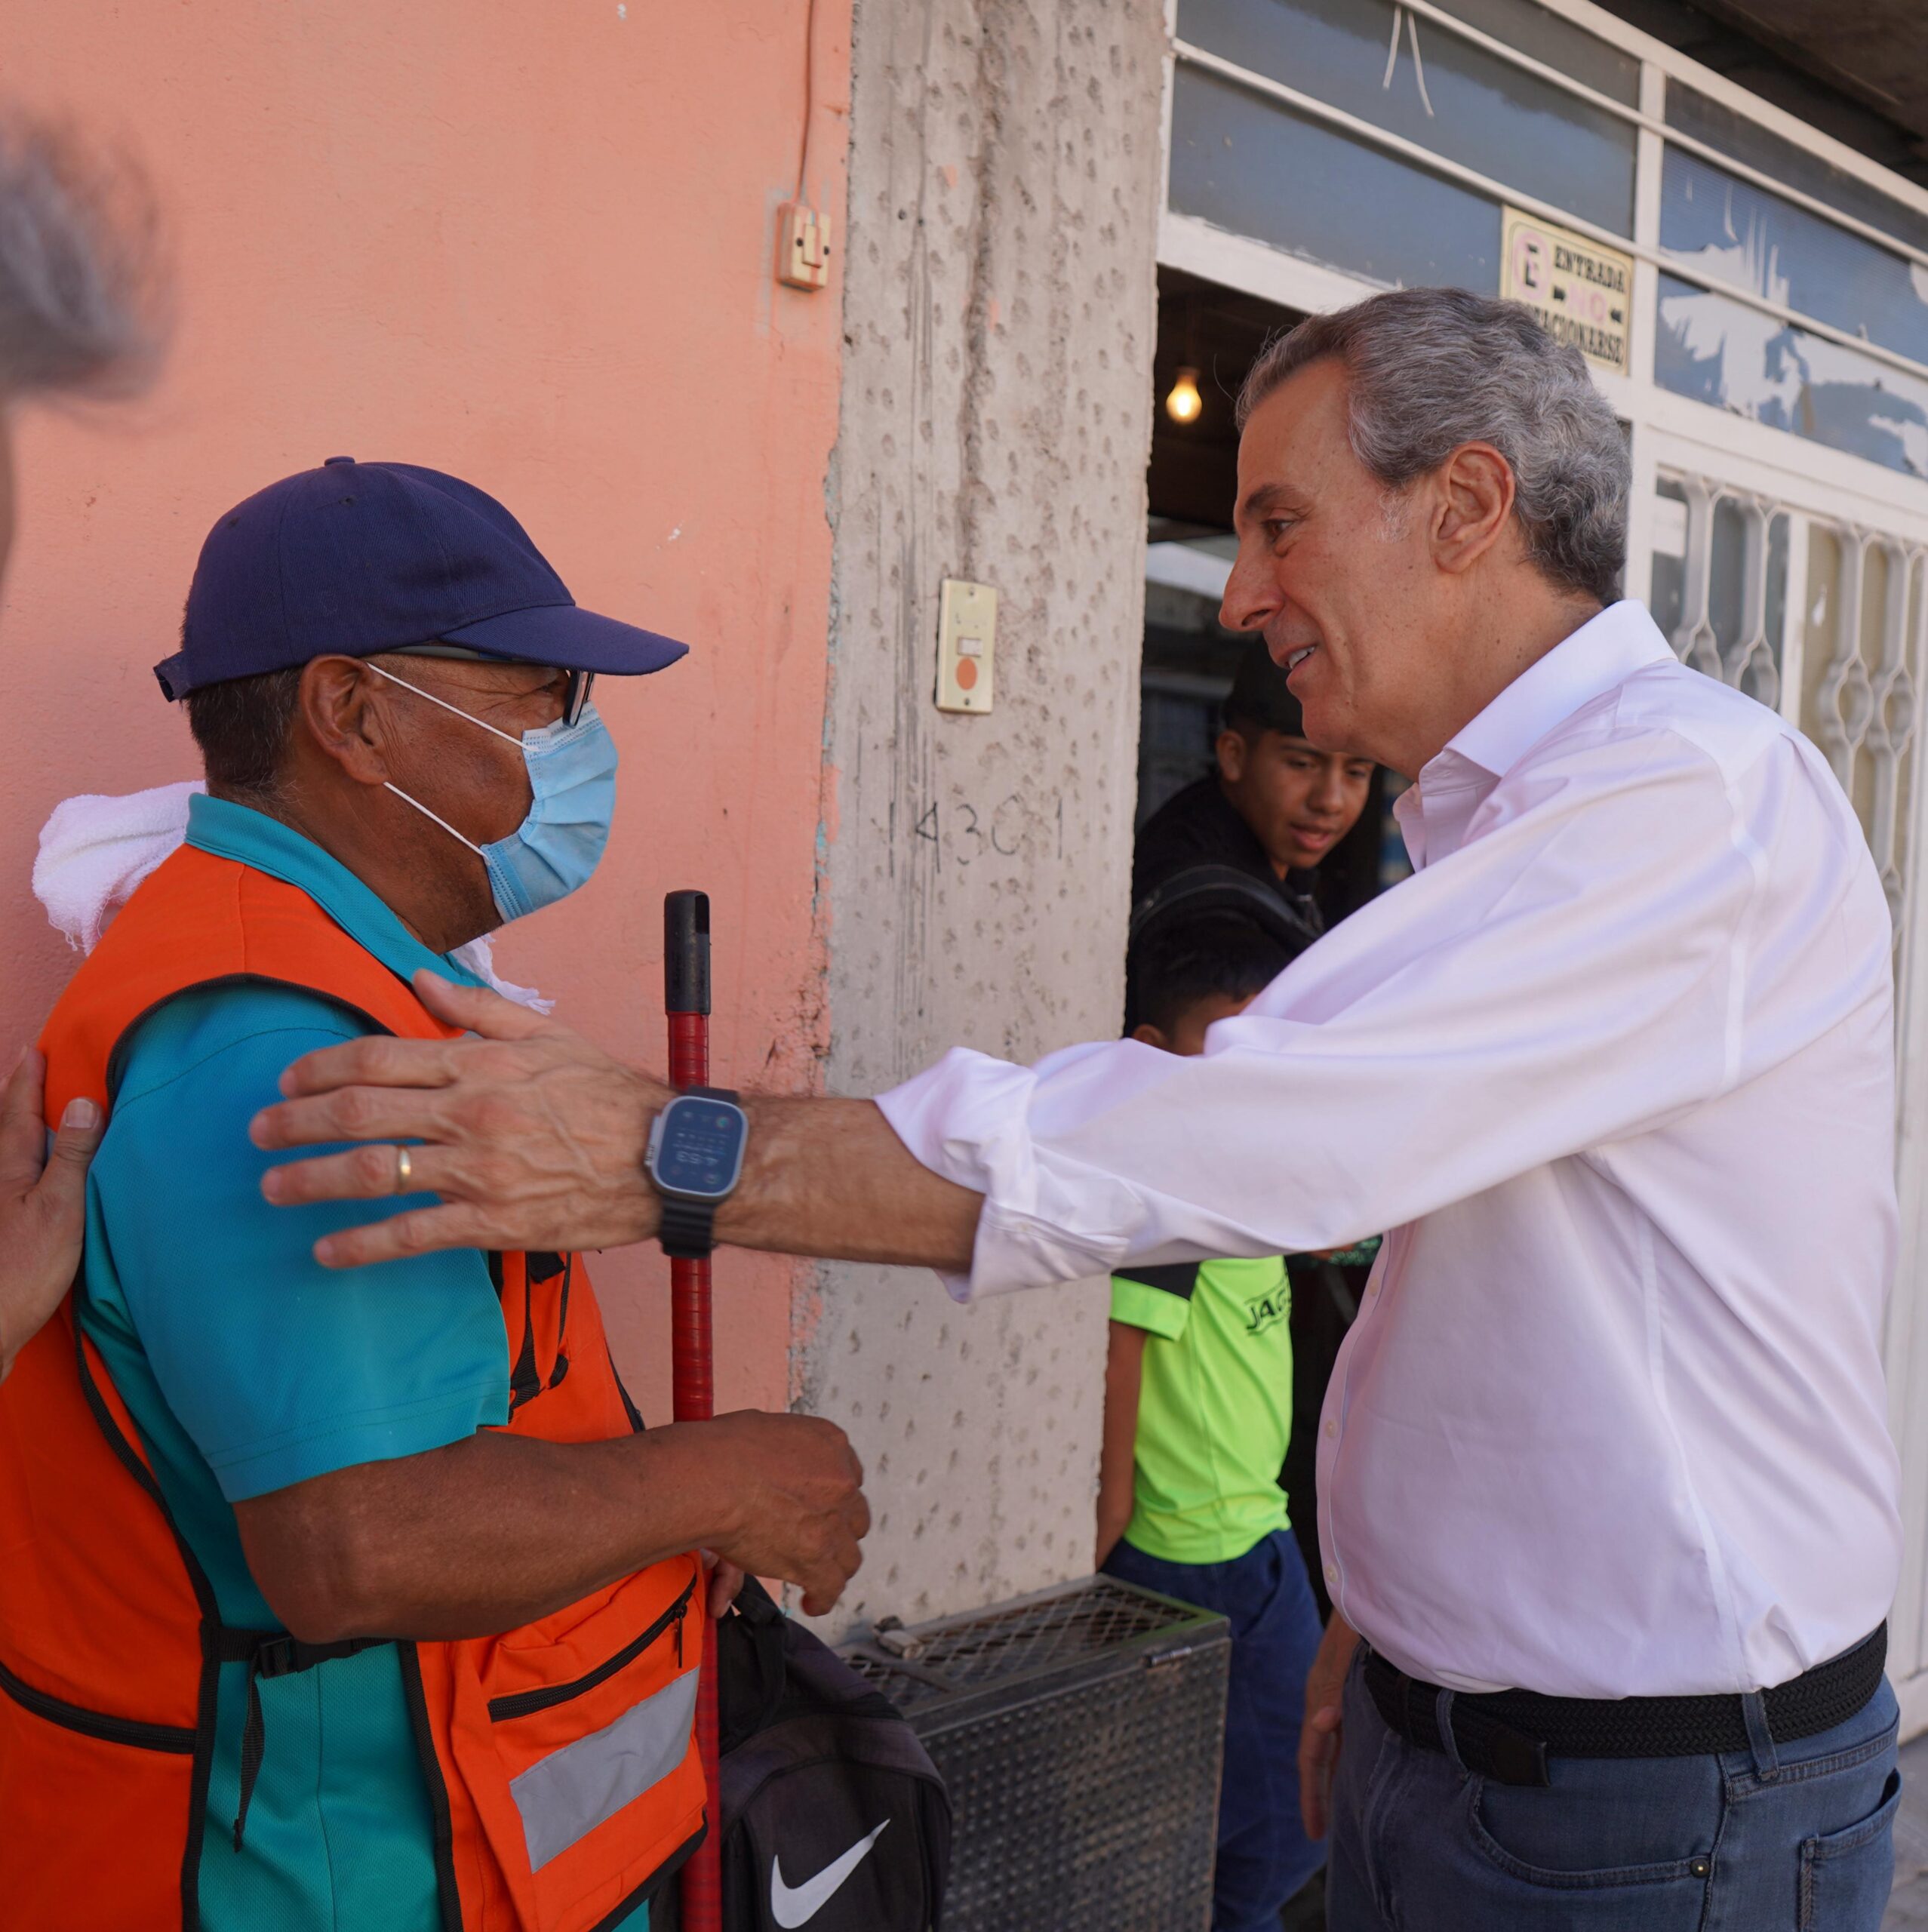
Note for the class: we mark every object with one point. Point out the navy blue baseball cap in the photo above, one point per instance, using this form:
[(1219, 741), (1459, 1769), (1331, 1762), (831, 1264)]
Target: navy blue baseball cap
[(362, 558)]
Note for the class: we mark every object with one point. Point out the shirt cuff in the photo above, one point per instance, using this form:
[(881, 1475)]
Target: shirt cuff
[(967, 1118)]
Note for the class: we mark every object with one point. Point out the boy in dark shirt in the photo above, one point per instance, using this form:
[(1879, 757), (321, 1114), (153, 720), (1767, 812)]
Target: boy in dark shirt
[(1273, 806), (1197, 1414)]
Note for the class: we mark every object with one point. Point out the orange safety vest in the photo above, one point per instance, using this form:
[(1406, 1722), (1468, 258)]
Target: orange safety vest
[(560, 1759)]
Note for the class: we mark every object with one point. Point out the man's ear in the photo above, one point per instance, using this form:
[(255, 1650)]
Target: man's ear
[(1473, 506), (1151, 1036), (1231, 751), (344, 718)]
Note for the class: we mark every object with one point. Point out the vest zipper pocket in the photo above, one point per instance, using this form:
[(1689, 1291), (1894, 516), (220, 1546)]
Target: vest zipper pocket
[(570, 1745), (173, 1738), (525, 1703)]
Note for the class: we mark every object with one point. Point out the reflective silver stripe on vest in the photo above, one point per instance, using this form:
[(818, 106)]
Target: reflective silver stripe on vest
[(573, 1791)]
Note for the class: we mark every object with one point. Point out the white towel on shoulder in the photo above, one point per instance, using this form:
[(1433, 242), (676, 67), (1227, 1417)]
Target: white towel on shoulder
[(94, 850)]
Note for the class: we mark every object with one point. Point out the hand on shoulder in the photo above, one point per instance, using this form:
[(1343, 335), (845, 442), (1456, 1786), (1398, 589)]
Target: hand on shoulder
[(43, 1205)]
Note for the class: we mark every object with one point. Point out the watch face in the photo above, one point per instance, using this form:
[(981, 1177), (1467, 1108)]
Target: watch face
[(701, 1152)]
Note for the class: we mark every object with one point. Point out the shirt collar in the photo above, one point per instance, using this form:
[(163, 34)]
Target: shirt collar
[(252, 838), (1605, 651)]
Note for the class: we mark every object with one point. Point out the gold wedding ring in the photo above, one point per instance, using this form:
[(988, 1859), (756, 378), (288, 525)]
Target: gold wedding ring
[(404, 1168)]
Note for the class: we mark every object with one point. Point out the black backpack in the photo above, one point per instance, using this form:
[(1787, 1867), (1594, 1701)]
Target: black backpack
[(834, 1816)]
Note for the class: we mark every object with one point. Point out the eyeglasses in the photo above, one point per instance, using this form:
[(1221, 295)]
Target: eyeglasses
[(581, 683)]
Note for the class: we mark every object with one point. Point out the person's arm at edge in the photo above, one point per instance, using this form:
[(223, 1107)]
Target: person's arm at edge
[(1124, 1366), (495, 1530), (43, 1205), (1320, 1736)]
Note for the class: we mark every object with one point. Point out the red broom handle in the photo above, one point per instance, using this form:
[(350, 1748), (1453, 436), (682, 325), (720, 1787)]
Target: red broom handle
[(693, 1387)]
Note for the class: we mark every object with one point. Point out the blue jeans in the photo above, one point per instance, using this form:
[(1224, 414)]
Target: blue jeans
[(1264, 1854), (1788, 1838)]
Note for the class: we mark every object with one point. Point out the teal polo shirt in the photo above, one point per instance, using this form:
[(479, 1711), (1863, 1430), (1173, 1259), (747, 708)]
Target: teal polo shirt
[(247, 1368)]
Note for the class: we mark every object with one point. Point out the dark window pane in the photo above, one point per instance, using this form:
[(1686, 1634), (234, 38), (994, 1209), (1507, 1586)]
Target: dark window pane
[(1777, 587), (1532, 30), (1456, 99), (1719, 352), (1253, 166), (1666, 596), (1693, 113), (1188, 665), (1749, 238), (1726, 573)]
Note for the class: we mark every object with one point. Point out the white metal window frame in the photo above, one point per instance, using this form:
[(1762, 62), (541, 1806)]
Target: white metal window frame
[(1676, 436), (1238, 261)]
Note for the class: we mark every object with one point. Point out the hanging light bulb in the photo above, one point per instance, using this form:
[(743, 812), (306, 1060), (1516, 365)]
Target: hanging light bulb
[(1184, 403)]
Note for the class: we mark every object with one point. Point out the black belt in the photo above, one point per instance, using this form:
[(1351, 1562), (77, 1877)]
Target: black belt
[(1508, 1735)]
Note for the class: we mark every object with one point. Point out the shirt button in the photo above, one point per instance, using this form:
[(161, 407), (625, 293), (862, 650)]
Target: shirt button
[(1332, 1572), (1332, 1429)]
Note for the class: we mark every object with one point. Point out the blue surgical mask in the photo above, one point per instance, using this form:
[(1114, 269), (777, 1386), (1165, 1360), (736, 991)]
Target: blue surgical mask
[(571, 779)]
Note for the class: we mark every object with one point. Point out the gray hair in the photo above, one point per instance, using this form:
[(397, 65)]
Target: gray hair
[(1432, 368), (80, 272)]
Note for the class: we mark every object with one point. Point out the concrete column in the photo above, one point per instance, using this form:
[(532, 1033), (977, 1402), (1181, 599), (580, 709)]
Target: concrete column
[(999, 314)]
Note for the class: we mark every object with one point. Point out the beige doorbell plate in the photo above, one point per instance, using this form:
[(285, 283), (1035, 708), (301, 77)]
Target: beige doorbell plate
[(967, 634)]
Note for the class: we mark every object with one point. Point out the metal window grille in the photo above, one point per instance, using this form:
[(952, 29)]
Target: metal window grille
[(1080, 1731), (1824, 620)]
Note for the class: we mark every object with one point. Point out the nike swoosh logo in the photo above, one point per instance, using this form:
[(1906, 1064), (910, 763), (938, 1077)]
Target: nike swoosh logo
[(792, 1906)]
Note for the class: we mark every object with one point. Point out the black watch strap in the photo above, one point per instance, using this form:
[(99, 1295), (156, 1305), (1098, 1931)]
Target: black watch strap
[(688, 1231)]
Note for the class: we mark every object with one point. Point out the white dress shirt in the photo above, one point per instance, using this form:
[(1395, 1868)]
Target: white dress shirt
[(1615, 1070)]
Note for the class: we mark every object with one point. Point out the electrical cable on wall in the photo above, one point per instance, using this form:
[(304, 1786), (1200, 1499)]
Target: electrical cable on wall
[(803, 232), (810, 101)]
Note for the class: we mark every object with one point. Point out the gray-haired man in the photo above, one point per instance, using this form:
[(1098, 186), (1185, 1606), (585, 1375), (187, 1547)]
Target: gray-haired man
[(1607, 1486), (76, 317)]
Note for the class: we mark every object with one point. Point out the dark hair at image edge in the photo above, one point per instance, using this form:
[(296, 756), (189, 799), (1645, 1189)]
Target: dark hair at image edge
[(1217, 955), (83, 307)]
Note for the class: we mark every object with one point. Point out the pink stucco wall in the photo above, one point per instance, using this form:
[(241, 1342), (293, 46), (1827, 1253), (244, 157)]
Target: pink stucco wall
[(531, 244)]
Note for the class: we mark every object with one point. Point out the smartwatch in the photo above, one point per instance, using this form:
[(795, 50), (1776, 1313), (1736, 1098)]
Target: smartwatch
[(695, 1157)]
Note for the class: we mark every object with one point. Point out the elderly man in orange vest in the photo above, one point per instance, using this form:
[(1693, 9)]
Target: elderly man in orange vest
[(372, 1601)]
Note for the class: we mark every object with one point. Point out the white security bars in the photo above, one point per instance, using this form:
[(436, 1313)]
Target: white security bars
[(1821, 619)]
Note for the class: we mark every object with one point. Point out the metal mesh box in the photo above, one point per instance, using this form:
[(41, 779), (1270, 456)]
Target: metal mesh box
[(1081, 1731)]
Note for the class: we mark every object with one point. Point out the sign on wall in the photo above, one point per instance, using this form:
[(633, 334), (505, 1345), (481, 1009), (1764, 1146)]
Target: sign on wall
[(1582, 291)]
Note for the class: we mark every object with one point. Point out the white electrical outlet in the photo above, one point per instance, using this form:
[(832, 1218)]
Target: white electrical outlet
[(966, 636)]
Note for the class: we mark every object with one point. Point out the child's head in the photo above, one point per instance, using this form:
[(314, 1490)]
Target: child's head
[(1195, 971)]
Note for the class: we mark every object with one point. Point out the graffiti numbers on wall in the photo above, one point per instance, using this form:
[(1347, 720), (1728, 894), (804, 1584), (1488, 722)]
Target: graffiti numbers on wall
[(962, 832)]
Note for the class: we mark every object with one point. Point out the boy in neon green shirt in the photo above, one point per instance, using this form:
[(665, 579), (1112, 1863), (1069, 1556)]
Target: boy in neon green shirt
[(1197, 1414)]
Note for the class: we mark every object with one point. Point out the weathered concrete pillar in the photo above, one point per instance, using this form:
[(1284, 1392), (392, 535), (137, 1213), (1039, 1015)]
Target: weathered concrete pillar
[(998, 323)]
